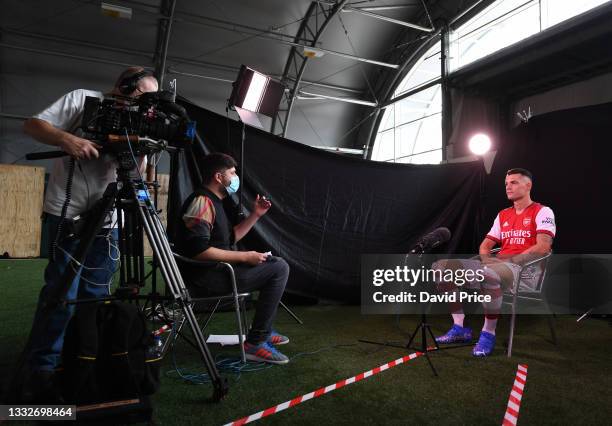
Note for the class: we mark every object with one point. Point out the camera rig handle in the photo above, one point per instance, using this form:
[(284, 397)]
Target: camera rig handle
[(114, 144)]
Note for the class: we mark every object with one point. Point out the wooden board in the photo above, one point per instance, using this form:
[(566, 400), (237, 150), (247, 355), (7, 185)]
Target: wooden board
[(162, 204), (21, 203)]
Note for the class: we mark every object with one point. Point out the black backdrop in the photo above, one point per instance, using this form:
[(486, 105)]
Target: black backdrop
[(329, 209), (569, 154)]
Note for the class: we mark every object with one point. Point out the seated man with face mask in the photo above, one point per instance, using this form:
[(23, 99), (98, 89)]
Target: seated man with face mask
[(206, 232)]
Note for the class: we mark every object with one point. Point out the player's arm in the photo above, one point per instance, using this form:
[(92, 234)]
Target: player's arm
[(545, 232), (491, 240), (486, 246), (543, 246), (485, 251)]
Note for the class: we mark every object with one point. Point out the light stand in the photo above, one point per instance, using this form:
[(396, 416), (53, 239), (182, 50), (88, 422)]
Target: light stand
[(254, 94)]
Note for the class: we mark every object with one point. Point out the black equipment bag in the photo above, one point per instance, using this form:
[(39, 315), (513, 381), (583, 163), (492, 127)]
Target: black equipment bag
[(107, 360)]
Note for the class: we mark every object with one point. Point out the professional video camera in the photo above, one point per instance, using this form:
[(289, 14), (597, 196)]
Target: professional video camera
[(151, 123)]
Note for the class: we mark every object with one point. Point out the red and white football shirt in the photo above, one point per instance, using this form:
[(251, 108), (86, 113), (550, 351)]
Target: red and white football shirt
[(517, 232)]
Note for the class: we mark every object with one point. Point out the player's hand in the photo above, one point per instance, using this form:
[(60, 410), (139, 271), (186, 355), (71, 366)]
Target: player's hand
[(489, 260), (80, 148), (254, 257), (261, 206)]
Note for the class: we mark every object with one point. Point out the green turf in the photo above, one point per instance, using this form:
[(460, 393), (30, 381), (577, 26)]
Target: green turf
[(567, 384)]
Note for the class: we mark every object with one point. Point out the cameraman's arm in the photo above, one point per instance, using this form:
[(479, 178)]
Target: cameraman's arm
[(46, 133)]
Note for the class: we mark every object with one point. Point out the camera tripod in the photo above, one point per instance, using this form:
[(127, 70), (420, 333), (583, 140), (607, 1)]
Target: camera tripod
[(136, 212)]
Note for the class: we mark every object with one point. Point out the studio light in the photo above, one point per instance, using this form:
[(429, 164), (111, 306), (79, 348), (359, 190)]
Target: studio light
[(480, 144), (255, 93)]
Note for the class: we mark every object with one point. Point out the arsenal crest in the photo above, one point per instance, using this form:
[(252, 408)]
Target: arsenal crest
[(526, 221)]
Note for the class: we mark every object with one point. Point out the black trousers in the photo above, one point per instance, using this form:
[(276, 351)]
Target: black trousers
[(269, 278)]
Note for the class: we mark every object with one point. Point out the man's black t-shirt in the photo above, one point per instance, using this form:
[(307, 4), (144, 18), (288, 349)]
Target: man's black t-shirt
[(204, 223)]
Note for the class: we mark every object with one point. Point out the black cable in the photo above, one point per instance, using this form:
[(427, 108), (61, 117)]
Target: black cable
[(325, 348), (60, 226), (227, 125), (86, 185)]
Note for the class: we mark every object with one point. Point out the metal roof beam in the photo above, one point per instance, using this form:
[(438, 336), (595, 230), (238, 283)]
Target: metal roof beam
[(150, 57), (344, 55), (71, 56), (318, 96), (387, 19)]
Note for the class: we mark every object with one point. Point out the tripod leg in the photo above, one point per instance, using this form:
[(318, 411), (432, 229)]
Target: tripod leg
[(412, 336), (433, 337), (431, 364), (161, 248)]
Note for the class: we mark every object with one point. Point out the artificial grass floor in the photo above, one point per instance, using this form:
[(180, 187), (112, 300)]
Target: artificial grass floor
[(567, 384)]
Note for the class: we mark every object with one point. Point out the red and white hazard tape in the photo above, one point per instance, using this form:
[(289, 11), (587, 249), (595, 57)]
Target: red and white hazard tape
[(514, 402), (322, 391), (161, 331)]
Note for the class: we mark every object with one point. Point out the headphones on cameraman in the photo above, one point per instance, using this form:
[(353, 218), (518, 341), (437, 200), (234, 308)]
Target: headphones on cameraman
[(127, 85)]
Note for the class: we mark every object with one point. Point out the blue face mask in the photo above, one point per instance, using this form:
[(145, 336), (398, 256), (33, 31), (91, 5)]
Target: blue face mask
[(233, 186)]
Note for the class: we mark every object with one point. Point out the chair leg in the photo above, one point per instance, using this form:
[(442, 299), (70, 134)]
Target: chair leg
[(240, 330), (512, 320), (553, 333), (245, 320), (511, 336), (290, 312)]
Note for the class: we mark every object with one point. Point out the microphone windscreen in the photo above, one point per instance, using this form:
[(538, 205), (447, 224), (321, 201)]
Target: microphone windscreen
[(436, 237), (443, 233)]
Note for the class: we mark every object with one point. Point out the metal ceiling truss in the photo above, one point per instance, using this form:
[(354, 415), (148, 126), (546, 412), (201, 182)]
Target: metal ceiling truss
[(317, 18), (149, 62), (313, 27), (406, 61), (315, 22)]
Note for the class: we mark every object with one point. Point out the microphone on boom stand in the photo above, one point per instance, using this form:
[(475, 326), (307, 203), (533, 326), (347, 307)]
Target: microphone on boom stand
[(423, 245)]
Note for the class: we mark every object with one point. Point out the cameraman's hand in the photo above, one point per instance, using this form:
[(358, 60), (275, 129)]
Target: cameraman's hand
[(254, 258), (80, 148), (261, 206)]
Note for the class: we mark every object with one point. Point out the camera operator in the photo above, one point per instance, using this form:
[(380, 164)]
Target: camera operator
[(75, 184)]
